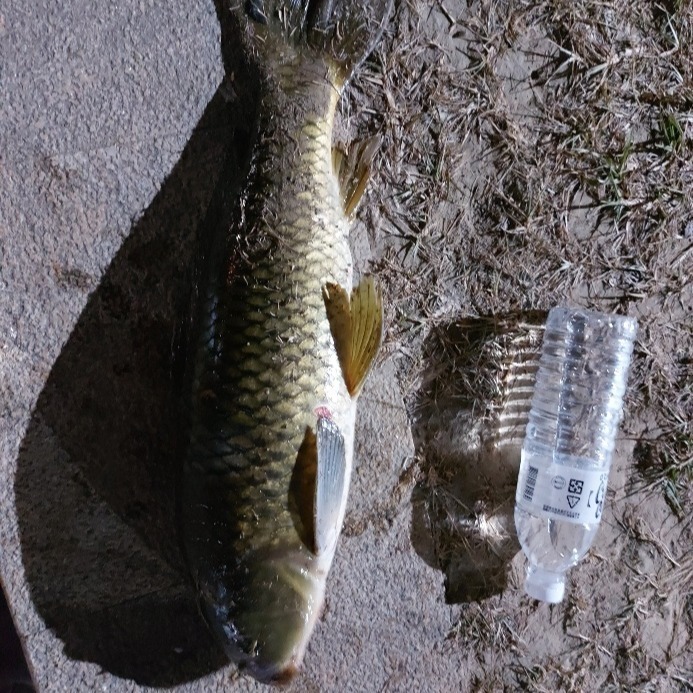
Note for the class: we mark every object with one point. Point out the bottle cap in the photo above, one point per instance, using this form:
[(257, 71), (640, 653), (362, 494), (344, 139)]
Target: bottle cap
[(545, 585)]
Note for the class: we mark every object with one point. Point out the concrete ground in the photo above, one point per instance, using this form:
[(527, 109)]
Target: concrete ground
[(113, 127)]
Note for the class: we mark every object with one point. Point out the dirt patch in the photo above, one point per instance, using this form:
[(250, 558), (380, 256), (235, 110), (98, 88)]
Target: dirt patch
[(536, 154)]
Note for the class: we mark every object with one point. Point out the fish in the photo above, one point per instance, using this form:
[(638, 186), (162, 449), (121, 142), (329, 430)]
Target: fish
[(282, 345)]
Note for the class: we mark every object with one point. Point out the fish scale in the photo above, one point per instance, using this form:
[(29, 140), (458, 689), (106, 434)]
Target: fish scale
[(299, 260)]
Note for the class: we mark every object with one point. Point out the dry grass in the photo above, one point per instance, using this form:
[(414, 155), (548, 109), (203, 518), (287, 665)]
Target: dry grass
[(490, 627), (535, 153)]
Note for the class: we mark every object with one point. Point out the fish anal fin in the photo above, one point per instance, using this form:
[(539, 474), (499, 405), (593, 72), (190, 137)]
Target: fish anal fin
[(356, 324), (353, 171), (330, 490)]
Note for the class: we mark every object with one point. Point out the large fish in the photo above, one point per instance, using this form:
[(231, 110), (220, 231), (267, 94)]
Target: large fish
[(283, 346)]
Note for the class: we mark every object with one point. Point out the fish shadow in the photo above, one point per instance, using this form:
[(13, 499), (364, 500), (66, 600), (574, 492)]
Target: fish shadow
[(97, 469), (470, 418)]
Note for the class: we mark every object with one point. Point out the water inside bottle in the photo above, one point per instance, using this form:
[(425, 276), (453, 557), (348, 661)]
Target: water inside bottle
[(554, 544)]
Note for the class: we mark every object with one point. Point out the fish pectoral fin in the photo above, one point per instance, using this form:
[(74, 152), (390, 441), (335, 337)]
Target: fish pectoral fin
[(353, 171), (330, 485), (302, 488), (356, 324)]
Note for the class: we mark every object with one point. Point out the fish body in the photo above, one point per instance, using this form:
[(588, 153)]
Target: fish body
[(281, 349)]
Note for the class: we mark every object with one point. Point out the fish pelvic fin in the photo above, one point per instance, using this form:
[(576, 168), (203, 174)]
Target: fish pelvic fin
[(345, 30), (356, 324)]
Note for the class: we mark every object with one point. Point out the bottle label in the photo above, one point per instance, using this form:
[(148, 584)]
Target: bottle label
[(561, 492)]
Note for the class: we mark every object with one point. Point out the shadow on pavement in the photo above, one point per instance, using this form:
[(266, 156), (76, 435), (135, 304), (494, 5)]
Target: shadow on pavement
[(95, 484), (14, 673)]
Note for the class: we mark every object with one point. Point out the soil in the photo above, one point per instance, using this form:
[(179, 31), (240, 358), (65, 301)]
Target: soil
[(517, 174)]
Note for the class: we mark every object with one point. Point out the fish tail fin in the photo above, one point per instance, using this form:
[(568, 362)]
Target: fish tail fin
[(344, 30)]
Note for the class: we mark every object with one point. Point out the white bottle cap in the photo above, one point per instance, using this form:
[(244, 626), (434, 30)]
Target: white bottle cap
[(545, 585)]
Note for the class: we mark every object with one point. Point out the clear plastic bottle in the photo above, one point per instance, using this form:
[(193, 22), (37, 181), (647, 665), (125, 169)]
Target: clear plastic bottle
[(566, 455)]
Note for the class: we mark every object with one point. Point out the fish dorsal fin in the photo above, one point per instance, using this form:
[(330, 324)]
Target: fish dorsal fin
[(330, 491), (353, 171), (356, 324)]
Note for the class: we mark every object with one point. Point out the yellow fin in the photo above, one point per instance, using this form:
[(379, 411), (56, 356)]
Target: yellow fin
[(353, 170), (356, 324), (338, 157)]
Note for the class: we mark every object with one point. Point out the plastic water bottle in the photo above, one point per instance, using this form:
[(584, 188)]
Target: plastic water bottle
[(566, 455)]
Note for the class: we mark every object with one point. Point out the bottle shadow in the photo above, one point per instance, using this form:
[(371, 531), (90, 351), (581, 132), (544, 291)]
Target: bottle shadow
[(471, 415), (97, 469)]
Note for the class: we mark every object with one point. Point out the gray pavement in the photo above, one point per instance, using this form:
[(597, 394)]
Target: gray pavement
[(114, 123)]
